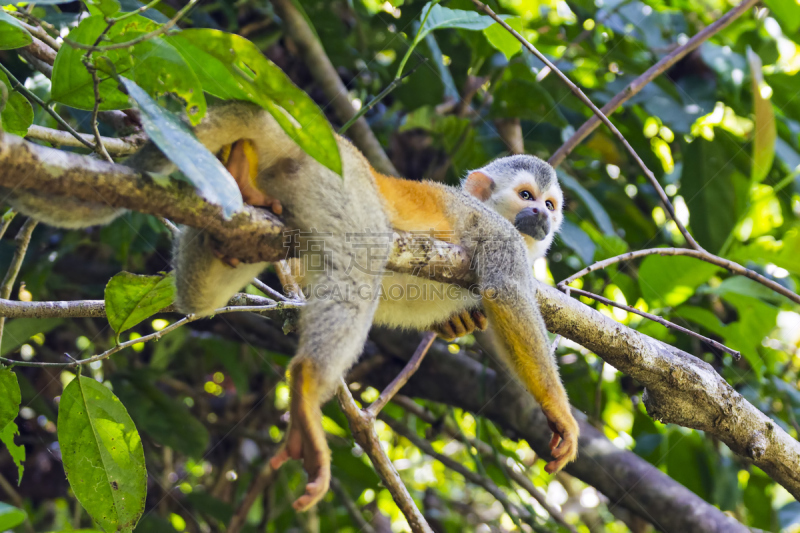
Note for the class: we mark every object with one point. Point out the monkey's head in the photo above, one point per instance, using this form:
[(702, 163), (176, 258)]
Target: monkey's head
[(525, 190)]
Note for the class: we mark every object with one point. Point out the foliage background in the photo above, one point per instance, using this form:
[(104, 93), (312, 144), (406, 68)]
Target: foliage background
[(209, 401)]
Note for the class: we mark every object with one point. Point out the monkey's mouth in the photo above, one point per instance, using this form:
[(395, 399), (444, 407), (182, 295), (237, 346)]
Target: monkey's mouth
[(533, 222)]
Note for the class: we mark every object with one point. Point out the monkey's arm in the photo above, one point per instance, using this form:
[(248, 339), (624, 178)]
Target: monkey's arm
[(520, 332)]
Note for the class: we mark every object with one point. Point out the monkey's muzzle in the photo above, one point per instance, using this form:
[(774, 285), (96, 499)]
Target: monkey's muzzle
[(533, 221)]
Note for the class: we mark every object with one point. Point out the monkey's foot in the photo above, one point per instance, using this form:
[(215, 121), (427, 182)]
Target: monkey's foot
[(241, 160), (564, 444), (461, 324), (306, 438)]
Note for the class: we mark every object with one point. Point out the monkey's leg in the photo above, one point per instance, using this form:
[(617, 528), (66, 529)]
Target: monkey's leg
[(333, 328)]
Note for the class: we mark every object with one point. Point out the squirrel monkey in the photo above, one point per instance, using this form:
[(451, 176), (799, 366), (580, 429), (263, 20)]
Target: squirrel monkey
[(506, 214)]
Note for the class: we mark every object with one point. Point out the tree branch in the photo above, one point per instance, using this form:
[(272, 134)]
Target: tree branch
[(363, 429), (626, 479), (736, 268), (666, 323), (115, 146), (680, 388), (649, 75)]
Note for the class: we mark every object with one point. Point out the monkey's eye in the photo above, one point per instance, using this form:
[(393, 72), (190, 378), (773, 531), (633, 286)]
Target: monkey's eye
[(526, 195), (550, 205)]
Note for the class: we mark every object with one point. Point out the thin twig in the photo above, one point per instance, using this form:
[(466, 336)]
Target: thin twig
[(474, 478), (155, 33), (115, 146), (38, 31), (266, 289), (363, 429), (7, 218), (22, 240), (97, 308), (265, 478), (157, 335), (87, 62), (352, 509), (383, 94), (484, 449), (582, 37), (648, 76), (403, 377), (585, 99), (736, 268), (15, 84), (666, 323)]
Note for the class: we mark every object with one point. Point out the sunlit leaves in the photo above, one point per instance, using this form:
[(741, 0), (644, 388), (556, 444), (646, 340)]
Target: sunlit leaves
[(765, 131), (102, 455), (131, 298), (153, 64), (670, 281), (715, 192), (501, 39), (231, 67)]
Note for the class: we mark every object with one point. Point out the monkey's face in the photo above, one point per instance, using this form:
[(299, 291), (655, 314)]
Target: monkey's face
[(525, 191), (535, 211)]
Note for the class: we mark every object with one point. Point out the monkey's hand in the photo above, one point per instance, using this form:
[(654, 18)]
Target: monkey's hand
[(241, 160), (306, 438), (564, 444), (461, 324)]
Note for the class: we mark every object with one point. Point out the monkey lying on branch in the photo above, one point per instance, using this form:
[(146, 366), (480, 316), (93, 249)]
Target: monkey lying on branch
[(506, 215)]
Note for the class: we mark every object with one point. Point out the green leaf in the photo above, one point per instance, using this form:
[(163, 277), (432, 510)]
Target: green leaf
[(153, 64), (709, 181), (17, 452), (784, 253), (501, 39), (10, 516), (687, 461), (592, 205), (176, 140), (668, 281), (786, 13), (12, 34), (765, 131), (102, 7), (10, 397), (17, 116), (19, 330), (102, 455), (577, 239), (157, 415), (131, 298), (441, 17), (231, 67)]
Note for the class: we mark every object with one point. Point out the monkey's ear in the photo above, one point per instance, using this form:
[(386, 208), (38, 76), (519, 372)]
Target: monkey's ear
[(479, 185)]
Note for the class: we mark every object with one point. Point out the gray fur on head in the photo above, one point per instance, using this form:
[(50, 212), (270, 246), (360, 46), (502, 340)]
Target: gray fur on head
[(505, 169)]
